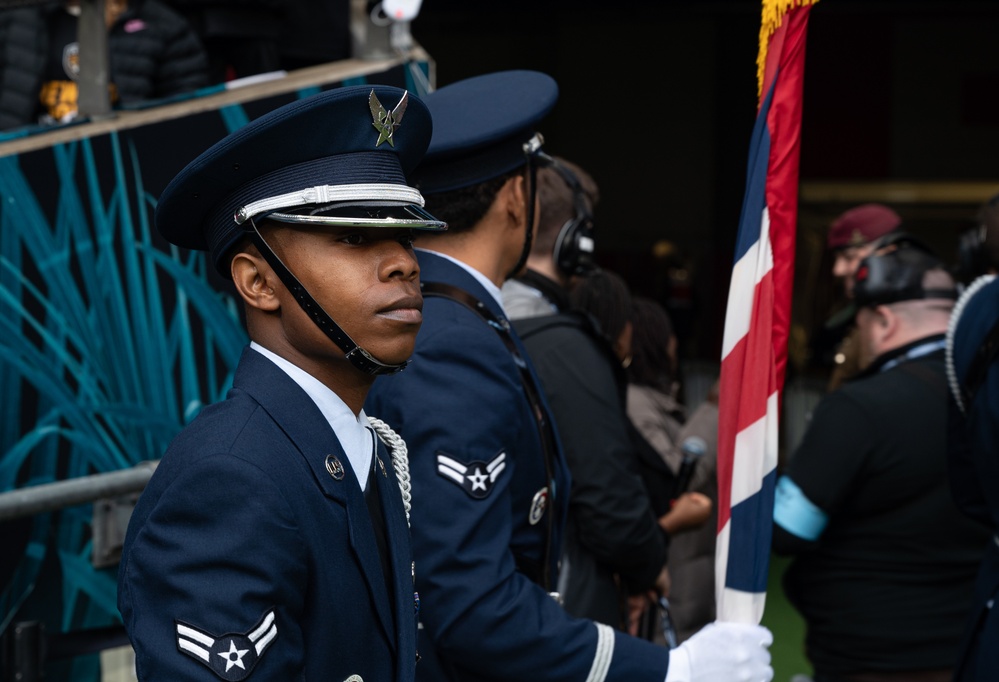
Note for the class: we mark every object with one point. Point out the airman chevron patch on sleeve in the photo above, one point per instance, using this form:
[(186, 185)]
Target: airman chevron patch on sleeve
[(475, 478), (231, 656)]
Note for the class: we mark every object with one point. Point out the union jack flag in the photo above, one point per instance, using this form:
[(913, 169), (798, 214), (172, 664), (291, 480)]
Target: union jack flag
[(757, 319)]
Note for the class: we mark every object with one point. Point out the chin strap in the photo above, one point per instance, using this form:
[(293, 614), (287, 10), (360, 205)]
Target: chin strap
[(360, 358), (532, 150)]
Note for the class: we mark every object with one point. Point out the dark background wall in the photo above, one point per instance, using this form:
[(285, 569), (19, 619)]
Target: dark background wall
[(658, 101)]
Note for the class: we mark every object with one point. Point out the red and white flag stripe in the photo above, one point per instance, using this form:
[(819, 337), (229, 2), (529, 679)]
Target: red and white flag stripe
[(757, 320)]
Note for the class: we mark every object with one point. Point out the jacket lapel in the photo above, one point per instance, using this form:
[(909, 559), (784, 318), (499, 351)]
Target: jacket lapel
[(398, 540), (298, 416)]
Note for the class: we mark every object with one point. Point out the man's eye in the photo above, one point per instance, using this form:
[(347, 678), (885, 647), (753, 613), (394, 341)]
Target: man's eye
[(407, 239), (354, 239)]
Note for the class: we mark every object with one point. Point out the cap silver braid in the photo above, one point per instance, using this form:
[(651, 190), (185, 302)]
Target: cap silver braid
[(327, 194)]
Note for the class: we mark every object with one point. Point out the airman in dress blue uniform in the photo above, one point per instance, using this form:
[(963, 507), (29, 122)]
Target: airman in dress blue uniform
[(973, 444), (490, 482), (272, 541)]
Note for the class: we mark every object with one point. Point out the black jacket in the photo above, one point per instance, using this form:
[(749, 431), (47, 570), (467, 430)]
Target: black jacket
[(612, 531), (153, 54), (883, 575)]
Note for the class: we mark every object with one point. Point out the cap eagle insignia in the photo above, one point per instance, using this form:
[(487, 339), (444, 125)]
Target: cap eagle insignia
[(384, 121)]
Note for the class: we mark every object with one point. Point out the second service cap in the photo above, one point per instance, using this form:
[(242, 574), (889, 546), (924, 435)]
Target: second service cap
[(481, 127)]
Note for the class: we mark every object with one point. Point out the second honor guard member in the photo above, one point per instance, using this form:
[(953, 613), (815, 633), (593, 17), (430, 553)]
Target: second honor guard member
[(489, 476), (271, 542)]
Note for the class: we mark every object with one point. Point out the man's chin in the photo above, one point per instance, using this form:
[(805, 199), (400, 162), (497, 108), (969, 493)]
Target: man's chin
[(395, 356)]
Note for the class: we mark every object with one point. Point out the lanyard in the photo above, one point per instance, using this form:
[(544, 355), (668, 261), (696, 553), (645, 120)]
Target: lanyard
[(916, 352)]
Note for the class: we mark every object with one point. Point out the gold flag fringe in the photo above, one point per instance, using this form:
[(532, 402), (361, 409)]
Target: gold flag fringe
[(773, 15)]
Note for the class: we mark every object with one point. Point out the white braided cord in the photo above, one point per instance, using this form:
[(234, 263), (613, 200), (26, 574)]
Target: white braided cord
[(955, 316), (400, 460)]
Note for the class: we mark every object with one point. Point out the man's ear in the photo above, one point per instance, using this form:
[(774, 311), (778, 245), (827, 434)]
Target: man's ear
[(255, 281), (887, 316), (514, 194), (887, 319)]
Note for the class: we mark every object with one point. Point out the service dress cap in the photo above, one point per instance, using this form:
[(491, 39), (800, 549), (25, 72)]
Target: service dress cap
[(481, 127), (340, 157), (862, 225)]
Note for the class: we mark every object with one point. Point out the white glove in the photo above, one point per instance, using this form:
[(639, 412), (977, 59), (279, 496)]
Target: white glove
[(723, 652)]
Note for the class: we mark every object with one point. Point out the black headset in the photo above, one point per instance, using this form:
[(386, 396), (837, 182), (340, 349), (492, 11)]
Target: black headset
[(574, 245), (894, 272)]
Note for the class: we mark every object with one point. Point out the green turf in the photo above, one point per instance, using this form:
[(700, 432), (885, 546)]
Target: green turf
[(787, 625)]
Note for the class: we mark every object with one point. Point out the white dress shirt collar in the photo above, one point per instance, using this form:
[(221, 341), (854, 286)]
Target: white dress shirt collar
[(354, 433)]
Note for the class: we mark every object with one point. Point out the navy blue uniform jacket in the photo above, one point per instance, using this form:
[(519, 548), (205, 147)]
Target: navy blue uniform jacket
[(243, 541), (974, 479), (477, 465), (973, 459)]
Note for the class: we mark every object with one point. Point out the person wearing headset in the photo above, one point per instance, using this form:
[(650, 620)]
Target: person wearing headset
[(563, 246), (616, 543), (884, 562)]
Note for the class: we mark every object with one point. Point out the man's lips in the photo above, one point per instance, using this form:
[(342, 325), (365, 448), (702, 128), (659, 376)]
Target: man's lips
[(408, 309)]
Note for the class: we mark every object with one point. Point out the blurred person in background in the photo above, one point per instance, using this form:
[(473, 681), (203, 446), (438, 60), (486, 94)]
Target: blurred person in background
[(604, 298), (153, 53), (685, 444), (884, 562), (614, 547), (578, 342), (853, 236)]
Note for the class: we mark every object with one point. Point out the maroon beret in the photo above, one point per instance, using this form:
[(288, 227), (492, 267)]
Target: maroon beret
[(861, 225)]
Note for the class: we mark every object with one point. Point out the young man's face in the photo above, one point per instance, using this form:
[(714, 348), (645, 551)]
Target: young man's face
[(366, 279)]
